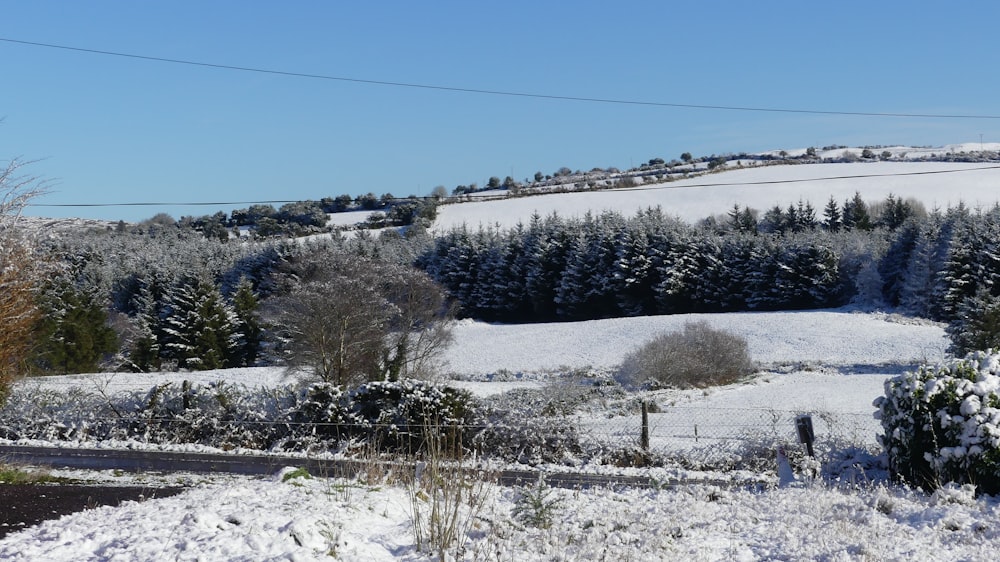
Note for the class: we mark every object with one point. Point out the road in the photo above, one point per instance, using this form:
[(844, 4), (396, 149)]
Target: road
[(165, 461)]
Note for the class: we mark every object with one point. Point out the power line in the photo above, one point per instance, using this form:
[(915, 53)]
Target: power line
[(612, 190), (162, 204), (803, 180), (508, 93)]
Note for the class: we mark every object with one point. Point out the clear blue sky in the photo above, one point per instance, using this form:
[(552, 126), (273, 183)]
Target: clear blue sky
[(108, 129)]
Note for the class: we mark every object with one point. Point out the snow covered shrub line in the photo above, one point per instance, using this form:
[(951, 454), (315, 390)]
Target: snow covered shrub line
[(942, 423), (393, 416)]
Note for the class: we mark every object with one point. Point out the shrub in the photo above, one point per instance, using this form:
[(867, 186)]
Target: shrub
[(695, 357), (392, 416), (942, 423)]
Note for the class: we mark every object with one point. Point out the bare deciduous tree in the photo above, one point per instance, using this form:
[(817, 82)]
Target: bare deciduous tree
[(20, 273), (349, 321)]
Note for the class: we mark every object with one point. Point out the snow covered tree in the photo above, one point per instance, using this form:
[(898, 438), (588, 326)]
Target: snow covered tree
[(893, 212), (940, 423), (248, 325), (742, 220), (976, 325), (855, 215), (808, 276), (832, 216), (144, 343), (201, 330)]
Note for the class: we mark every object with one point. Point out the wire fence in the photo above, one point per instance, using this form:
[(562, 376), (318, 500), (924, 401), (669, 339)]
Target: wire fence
[(700, 435), (707, 433)]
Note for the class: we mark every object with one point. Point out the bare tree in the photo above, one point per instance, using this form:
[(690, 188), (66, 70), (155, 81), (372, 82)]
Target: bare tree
[(20, 273), (349, 321)]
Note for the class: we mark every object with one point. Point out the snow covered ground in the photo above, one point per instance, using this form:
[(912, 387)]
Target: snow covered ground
[(303, 519), (823, 362), (935, 184), (831, 361)]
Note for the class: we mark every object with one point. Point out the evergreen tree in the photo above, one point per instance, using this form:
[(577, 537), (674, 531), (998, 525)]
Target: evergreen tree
[(894, 213), (742, 220), (976, 325), (807, 276), (200, 329), (893, 266), (774, 221), (244, 306), (855, 214), (144, 348), (73, 336), (805, 216), (832, 216)]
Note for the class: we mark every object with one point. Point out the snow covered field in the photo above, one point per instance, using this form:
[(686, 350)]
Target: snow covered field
[(935, 184), (830, 362), (819, 360)]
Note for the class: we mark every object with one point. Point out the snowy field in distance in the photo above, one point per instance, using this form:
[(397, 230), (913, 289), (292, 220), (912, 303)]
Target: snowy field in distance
[(828, 337), (759, 187), (492, 358)]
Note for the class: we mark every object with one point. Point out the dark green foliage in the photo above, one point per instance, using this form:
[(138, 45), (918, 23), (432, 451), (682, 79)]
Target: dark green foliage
[(368, 202), (855, 214), (977, 324), (73, 335), (605, 266), (303, 213), (248, 325), (832, 217), (199, 329)]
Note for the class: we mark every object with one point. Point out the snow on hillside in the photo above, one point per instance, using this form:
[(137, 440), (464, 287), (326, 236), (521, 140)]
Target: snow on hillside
[(839, 339), (807, 337), (935, 184)]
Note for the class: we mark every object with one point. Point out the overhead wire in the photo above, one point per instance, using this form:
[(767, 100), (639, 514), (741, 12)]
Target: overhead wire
[(668, 185), (482, 91)]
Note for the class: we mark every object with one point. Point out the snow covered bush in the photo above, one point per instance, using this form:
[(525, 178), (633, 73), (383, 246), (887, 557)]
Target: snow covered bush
[(942, 423), (399, 415), (697, 356)]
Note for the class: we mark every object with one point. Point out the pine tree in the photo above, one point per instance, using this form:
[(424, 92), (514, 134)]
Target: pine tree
[(144, 349), (976, 325), (856, 214), (245, 305), (832, 216), (200, 328), (73, 335)]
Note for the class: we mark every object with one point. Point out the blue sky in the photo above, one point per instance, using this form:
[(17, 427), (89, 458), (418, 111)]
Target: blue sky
[(108, 129)]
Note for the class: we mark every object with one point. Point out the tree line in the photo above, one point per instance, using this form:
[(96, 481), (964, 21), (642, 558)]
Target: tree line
[(167, 298), (943, 265)]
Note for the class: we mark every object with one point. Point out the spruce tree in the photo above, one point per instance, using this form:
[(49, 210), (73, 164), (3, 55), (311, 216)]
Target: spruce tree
[(73, 336), (200, 328), (245, 305)]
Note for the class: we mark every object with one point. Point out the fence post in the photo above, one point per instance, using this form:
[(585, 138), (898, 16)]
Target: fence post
[(804, 426), (644, 436)]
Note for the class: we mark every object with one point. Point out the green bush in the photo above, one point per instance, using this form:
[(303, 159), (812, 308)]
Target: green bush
[(696, 357), (942, 423)]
